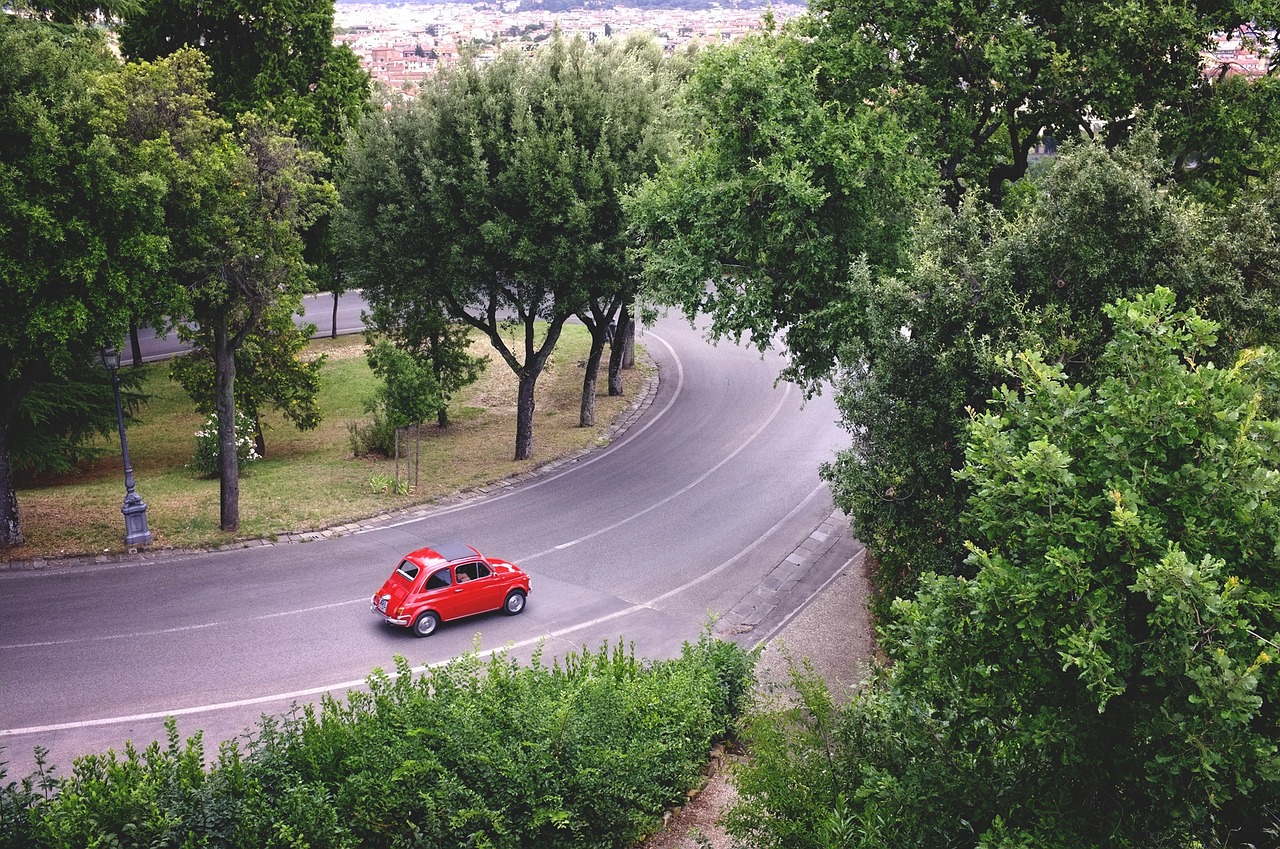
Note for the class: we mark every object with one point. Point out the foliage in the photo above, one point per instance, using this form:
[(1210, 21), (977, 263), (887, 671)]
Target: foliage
[(409, 393), (377, 436), (205, 461), (58, 420), (280, 60), (778, 192), (1095, 226), (425, 332), (1106, 676), (270, 371), (985, 83), (496, 196), (83, 216), (587, 752)]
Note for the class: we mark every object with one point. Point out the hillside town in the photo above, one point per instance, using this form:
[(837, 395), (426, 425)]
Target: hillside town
[(402, 44)]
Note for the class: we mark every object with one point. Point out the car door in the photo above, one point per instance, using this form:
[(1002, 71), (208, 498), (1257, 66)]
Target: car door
[(437, 593), (478, 590)]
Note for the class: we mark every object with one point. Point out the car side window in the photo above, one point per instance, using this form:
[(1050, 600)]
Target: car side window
[(472, 571), (438, 580)]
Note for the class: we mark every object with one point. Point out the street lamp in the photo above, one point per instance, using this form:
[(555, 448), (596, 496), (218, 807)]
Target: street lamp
[(134, 508)]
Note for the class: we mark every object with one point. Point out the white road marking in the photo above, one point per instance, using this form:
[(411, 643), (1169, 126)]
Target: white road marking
[(352, 685)]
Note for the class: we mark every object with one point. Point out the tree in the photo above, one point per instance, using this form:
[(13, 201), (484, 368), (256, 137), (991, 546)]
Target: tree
[(1095, 226), (376, 234), (431, 337), (799, 166), (409, 394), (278, 61), (502, 196), (780, 191), (269, 371), (1104, 676), (82, 218), (641, 135), (244, 258), (987, 82)]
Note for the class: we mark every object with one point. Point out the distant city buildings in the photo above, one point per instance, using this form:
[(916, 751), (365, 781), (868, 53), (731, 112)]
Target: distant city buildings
[(1237, 52), (402, 44)]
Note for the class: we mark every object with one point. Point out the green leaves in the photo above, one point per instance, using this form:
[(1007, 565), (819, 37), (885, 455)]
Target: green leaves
[(777, 194), (1104, 674), (588, 752)]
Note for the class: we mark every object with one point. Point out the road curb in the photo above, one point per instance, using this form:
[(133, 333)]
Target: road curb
[(637, 408), (805, 564)]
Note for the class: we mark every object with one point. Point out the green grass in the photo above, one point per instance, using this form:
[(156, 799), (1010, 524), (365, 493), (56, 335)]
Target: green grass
[(308, 480)]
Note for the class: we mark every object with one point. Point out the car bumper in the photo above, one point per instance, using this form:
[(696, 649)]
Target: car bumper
[(403, 621)]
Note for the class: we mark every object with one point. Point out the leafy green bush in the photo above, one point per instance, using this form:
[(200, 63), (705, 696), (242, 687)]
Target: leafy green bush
[(1106, 674), (205, 461), (377, 436), (586, 752)]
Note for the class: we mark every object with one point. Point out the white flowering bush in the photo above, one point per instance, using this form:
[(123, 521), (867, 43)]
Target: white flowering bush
[(205, 461)]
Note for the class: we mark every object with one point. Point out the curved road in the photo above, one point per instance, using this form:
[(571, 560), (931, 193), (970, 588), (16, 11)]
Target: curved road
[(683, 517)]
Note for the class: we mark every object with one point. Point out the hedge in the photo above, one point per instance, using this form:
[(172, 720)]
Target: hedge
[(589, 751)]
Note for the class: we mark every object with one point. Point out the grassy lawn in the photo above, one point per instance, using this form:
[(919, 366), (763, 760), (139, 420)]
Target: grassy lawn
[(309, 480)]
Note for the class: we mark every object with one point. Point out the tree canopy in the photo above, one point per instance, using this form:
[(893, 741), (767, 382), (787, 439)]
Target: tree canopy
[(777, 193), (83, 219), (497, 195), (276, 59), (1104, 676)]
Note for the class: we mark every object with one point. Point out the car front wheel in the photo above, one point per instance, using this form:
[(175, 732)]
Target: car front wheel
[(514, 603), (426, 624)]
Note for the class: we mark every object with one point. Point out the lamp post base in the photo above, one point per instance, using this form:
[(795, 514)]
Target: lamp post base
[(135, 521)]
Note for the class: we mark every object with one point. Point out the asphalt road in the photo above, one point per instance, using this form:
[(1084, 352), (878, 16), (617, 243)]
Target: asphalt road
[(675, 521), (318, 309)]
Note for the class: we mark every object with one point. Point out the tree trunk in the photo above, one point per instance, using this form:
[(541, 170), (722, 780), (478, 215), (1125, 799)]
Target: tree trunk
[(135, 344), (259, 440), (590, 379), (333, 332), (618, 349), (629, 341), (524, 413), (435, 344), (10, 524), (224, 364)]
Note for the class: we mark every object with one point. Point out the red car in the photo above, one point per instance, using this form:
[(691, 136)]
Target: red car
[(449, 581)]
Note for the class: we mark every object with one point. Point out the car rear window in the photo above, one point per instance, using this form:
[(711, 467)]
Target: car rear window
[(408, 570)]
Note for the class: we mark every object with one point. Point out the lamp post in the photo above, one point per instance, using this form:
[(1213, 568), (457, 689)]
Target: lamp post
[(134, 508)]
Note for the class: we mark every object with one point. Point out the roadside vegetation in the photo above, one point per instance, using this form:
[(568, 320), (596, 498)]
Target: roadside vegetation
[(586, 752), (79, 513), (1032, 248)]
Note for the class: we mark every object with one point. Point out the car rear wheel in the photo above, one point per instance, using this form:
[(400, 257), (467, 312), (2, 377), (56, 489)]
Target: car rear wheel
[(426, 624), (514, 603)]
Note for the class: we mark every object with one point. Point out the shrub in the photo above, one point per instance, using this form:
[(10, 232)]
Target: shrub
[(205, 461), (586, 752)]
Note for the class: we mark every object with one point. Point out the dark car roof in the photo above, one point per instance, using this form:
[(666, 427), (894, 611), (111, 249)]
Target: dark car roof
[(452, 550)]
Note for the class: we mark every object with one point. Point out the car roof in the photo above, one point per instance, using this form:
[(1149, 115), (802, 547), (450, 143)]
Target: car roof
[(450, 550)]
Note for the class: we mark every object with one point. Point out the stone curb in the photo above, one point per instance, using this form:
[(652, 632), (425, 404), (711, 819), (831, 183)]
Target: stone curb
[(783, 578), (638, 407)]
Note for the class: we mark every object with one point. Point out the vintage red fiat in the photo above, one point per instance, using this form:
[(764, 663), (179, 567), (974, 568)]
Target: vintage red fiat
[(449, 581)]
